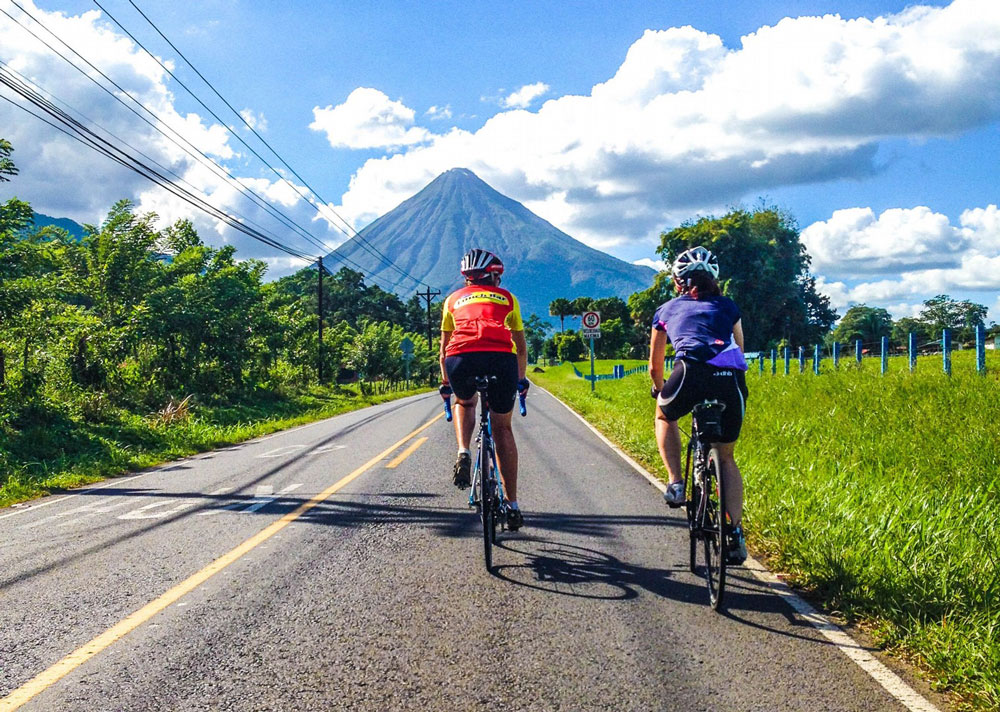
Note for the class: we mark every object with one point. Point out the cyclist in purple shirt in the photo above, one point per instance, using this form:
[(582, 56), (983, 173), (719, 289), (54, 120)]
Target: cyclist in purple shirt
[(707, 334)]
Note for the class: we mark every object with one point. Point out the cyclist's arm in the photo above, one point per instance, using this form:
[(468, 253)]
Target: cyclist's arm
[(522, 353), (738, 333), (445, 338), (657, 350)]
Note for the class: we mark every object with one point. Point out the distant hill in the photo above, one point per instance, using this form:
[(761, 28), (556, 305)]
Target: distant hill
[(73, 228), (427, 235)]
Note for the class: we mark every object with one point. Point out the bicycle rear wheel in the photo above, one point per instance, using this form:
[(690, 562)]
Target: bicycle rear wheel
[(487, 502), (714, 531)]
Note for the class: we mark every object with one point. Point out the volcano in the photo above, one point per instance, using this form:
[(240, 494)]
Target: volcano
[(426, 236)]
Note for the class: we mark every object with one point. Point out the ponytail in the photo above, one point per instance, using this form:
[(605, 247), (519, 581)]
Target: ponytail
[(701, 284)]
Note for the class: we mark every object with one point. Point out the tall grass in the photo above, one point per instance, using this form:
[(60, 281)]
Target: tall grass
[(64, 450), (879, 494)]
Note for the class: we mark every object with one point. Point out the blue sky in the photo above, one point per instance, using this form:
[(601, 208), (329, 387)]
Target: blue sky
[(880, 134)]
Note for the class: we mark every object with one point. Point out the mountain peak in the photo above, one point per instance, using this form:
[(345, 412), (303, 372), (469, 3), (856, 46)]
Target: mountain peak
[(427, 234)]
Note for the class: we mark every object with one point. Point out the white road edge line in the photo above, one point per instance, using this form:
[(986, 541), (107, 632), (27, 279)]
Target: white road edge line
[(890, 681)]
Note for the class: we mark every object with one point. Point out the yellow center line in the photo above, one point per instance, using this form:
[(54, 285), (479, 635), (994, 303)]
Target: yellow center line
[(405, 454), (78, 657)]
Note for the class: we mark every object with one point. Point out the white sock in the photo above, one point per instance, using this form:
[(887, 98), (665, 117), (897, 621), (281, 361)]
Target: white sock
[(464, 451)]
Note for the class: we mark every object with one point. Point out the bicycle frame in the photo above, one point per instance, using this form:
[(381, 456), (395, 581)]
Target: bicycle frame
[(485, 440)]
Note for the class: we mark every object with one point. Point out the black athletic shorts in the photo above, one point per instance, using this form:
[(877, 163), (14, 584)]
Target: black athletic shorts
[(691, 382), (464, 368)]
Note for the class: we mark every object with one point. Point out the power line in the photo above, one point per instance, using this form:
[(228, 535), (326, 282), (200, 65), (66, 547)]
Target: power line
[(189, 149), (370, 248), (81, 133)]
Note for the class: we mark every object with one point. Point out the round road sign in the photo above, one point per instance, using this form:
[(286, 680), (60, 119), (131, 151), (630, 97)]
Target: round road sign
[(591, 320)]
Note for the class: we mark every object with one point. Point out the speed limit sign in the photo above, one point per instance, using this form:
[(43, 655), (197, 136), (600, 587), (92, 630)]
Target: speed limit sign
[(591, 320)]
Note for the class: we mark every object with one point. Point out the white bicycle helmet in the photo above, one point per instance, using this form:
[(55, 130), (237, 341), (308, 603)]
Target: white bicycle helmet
[(697, 258), (478, 263)]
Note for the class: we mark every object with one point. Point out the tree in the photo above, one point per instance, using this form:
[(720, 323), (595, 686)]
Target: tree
[(765, 269), (907, 325), (569, 346), (7, 167), (534, 333), (943, 312), (863, 322), (561, 308)]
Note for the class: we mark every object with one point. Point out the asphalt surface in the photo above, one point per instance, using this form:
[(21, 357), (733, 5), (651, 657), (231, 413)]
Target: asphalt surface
[(377, 598)]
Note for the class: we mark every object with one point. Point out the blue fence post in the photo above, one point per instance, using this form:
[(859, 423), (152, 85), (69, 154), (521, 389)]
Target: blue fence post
[(816, 357), (912, 349), (857, 350), (946, 350), (981, 349), (836, 355), (802, 359), (885, 354), (788, 354), (774, 362)]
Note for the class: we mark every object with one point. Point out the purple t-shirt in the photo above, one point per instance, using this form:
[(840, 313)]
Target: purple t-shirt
[(702, 330)]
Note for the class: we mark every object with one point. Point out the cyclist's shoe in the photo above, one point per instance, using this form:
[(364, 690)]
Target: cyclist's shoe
[(515, 520), (736, 551), (463, 468), (675, 494)]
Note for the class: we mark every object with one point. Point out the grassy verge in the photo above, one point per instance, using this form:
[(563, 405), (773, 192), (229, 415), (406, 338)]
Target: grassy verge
[(879, 494), (64, 452)]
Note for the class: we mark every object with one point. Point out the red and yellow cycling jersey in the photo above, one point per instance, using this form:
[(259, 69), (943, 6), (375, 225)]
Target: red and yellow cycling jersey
[(481, 319)]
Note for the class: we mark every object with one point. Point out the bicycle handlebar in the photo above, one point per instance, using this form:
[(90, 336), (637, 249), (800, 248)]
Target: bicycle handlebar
[(447, 409), (520, 402)]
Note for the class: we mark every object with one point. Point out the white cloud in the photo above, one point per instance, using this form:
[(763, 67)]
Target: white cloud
[(255, 120), (905, 256), (687, 125), (658, 265), (854, 241), (61, 177), (523, 97), (439, 113), (368, 119)]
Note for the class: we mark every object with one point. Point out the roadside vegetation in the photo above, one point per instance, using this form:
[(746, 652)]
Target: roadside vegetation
[(138, 343), (878, 494)]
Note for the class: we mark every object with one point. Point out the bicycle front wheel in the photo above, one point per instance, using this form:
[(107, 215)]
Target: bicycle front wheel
[(714, 530), (693, 497), (487, 503)]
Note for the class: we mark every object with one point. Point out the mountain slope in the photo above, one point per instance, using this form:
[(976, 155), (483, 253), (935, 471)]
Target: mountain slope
[(427, 235), (73, 228)]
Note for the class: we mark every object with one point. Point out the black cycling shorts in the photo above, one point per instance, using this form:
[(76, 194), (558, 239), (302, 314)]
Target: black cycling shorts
[(691, 382), (463, 369)]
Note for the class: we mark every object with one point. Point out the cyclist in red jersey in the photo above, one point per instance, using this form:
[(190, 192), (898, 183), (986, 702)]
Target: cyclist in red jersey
[(482, 335)]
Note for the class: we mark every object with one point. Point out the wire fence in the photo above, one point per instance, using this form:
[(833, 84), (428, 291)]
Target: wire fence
[(619, 371), (817, 353)]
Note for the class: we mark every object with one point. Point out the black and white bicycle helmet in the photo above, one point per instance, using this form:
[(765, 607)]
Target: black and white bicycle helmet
[(478, 263), (697, 258)]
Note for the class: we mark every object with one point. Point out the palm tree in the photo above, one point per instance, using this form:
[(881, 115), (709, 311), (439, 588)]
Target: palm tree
[(561, 308)]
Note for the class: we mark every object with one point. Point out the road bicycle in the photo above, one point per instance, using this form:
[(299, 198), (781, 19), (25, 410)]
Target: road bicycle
[(705, 498), (486, 493)]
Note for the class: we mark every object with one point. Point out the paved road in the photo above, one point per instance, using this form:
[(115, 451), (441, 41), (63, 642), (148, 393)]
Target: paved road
[(377, 598)]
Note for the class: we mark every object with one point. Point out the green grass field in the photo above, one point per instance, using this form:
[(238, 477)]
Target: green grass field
[(879, 494), (66, 452)]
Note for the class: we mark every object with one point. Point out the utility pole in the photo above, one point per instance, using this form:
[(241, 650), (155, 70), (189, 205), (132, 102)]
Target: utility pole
[(319, 312), (428, 296)]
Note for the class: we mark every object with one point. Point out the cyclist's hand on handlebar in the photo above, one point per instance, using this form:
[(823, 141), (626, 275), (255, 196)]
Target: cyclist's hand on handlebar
[(445, 390), (523, 385)]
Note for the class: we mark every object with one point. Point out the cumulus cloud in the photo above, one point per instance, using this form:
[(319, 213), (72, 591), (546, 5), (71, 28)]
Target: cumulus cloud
[(903, 257), (658, 265), (523, 97), (368, 119), (439, 113), (255, 120), (687, 125), (61, 177)]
